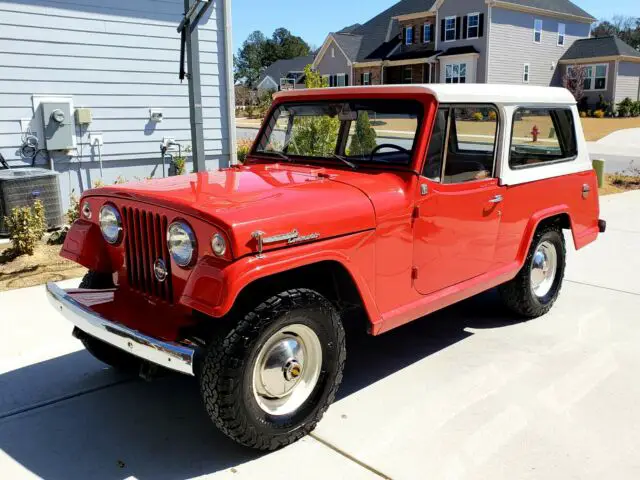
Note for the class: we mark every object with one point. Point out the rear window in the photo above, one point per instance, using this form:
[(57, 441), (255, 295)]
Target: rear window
[(541, 136)]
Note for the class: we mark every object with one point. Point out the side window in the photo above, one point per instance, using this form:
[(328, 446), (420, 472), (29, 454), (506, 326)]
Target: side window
[(463, 144), (542, 135)]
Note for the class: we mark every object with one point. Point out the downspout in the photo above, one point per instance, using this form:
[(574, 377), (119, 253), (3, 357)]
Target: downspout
[(488, 43), (231, 94)]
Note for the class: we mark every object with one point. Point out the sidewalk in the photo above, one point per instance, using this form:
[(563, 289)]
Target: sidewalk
[(469, 392), (618, 149)]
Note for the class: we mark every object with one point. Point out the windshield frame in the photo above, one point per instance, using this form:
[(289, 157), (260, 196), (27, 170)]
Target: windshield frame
[(343, 134)]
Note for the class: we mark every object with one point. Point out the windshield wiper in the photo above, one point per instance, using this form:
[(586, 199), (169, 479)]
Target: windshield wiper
[(282, 155), (344, 160)]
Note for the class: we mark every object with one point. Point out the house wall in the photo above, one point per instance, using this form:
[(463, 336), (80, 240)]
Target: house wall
[(628, 82), (593, 96), (376, 75), (511, 45), (329, 65), (460, 8), (418, 43), (118, 58)]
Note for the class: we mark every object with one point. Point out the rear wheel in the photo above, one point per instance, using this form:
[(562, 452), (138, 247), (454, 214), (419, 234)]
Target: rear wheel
[(112, 356), (268, 381), (535, 289)]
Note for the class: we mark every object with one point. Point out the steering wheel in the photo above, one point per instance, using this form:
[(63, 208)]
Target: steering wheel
[(389, 145)]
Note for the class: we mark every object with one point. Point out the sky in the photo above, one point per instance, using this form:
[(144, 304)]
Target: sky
[(313, 20)]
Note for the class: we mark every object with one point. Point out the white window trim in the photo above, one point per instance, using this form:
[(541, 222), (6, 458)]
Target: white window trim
[(404, 74), (593, 76), (459, 64), (333, 52), (366, 78), (563, 34), (344, 79), (424, 31), (455, 26), (526, 73), (406, 36), (475, 14), (535, 21)]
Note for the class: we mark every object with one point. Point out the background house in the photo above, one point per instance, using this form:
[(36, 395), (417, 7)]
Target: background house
[(285, 74), (119, 59), (447, 41), (612, 68)]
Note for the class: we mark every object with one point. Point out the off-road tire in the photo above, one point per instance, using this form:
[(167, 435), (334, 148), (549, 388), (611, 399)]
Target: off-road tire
[(518, 295), (112, 356), (227, 370)]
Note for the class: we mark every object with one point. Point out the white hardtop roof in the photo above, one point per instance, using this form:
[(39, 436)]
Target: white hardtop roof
[(462, 93)]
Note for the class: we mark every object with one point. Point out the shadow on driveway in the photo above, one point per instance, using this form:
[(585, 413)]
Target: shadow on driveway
[(113, 427)]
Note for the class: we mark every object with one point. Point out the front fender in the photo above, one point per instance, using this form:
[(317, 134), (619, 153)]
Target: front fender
[(213, 290), (84, 245)]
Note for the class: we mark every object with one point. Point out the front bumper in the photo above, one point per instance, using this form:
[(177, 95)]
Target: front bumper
[(170, 355)]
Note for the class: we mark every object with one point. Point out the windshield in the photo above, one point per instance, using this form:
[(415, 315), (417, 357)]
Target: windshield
[(362, 131)]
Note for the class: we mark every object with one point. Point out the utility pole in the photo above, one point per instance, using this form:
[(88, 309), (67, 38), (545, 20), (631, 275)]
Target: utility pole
[(194, 10)]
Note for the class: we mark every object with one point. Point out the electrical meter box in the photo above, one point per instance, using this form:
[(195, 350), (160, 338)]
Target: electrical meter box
[(58, 126)]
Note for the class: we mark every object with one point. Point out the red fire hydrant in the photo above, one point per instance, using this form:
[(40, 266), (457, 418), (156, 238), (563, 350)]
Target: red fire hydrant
[(535, 132)]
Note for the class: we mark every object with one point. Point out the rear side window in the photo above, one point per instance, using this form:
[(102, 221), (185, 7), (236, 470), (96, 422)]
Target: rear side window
[(541, 136)]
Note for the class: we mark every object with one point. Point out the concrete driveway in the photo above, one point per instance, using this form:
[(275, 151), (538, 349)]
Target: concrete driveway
[(469, 392)]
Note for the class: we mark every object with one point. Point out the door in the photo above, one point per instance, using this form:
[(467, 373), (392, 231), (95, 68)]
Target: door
[(459, 203)]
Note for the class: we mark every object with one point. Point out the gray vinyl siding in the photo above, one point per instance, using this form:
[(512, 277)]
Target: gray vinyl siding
[(331, 66), (119, 58), (511, 45), (461, 8), (628, 82)]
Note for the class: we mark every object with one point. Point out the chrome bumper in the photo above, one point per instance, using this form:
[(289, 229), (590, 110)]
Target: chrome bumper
[(166, 354)]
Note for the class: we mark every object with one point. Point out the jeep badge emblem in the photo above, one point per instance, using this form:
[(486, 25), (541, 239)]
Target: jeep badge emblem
[(160, 270)]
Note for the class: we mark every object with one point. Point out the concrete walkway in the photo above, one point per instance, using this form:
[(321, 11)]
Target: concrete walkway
[(469, 392), (619, 149)]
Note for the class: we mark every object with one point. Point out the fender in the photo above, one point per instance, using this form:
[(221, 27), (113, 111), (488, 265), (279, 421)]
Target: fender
[(213, 290), (85, 245), (532, 225)]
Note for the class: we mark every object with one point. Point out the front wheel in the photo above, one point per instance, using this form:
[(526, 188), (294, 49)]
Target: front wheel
[(535, 289), (268, 381)]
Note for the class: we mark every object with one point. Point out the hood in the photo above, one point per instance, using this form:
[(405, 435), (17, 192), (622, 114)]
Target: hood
[(274, 199)]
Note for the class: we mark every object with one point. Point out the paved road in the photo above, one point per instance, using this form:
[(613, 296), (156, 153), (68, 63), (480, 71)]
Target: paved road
[(618, 151), (469, 392)]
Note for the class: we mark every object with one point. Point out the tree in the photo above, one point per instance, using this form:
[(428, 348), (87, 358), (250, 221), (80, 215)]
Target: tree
[(317, 135), (258, 52), (573, 80), (364, 139), (625, 28)]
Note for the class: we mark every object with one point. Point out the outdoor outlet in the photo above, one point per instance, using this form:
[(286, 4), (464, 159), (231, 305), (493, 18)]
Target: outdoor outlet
[(96, 139), (155, 116)]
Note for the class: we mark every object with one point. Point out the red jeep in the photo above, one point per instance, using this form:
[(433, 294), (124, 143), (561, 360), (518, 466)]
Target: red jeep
[(393, 201)]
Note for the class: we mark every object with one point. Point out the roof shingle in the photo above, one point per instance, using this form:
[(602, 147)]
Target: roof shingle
[(599, 47)]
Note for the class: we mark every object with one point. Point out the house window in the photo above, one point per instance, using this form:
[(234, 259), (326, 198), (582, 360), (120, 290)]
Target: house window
[(595, 76), (473, 22), (537, 30), (456, 73), (426, 33), (525, 73), (408, 40), (562, 146), (366, 78), (561, 32), (341, 80), (449, 29), (333, 52), (408, 75)]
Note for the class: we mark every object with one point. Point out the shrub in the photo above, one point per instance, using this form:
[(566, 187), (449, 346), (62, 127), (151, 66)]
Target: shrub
[(74, 208), (625, 107), (26, 227), (583, 105), (120, 180), (599, 113), (583, 114), (635, 109), (604, 105), (477, 116), (364, 139), (244, 147), (493, 116), (250, 111)]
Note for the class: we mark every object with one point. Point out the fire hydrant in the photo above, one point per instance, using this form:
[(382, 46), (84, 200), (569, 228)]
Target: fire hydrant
[(535, 132)]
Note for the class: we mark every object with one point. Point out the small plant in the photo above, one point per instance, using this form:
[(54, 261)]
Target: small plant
[(625, 107), (26, 227), (599, 113), (493, 116), (244, 147), (98, 184), (583, 114), (635, 109), (250, 111), (120, 180), (180, 163), (477, 116), (74, 208)]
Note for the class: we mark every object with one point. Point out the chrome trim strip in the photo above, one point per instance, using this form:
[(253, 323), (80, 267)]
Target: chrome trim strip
[(166, 354)]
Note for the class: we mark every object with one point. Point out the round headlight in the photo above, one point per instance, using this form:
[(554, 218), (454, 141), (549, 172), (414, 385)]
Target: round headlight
[(218, 245), (110, 224), (182, 243)]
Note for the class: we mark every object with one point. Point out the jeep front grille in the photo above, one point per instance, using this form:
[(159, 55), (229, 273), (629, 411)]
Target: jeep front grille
[(144, 243)]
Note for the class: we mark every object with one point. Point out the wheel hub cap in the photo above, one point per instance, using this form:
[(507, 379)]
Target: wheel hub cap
[(543, 269), (287, 369)]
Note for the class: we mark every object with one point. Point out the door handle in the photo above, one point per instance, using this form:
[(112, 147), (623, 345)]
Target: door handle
[(496, 199)]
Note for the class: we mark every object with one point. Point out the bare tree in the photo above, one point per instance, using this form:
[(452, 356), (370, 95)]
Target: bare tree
[(573, 80)]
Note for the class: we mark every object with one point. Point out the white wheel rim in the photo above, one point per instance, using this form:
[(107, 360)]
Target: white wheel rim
[(287, 369), (543, 269)]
